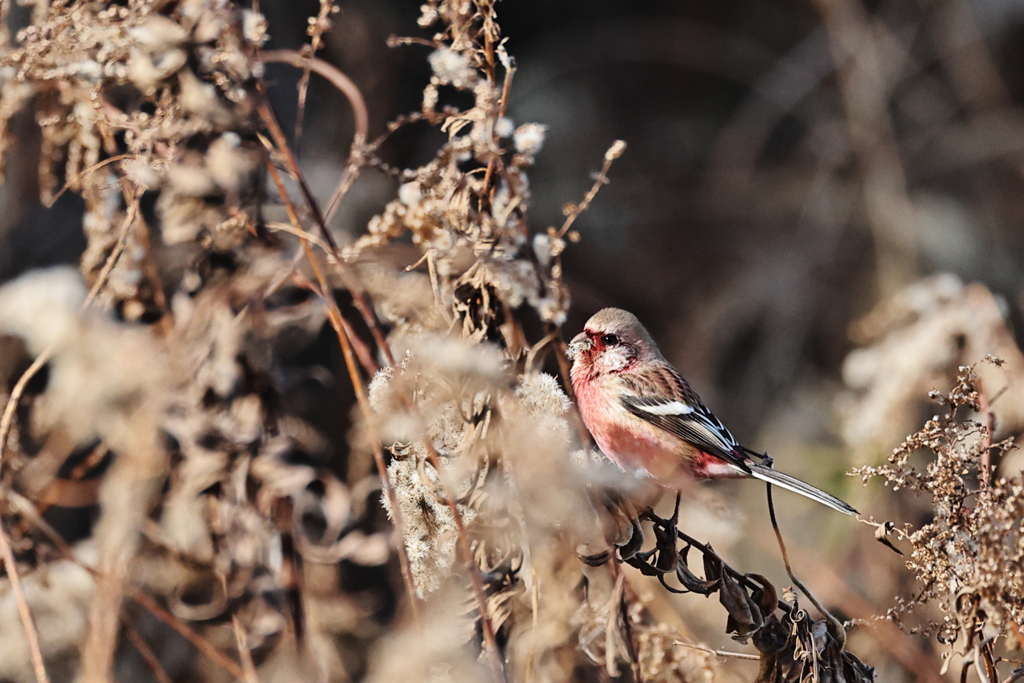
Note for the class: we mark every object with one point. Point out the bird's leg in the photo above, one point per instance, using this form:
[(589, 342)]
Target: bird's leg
[(766, 459), (674, 519)]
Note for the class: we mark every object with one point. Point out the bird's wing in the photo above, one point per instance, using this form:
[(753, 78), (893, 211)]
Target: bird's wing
[(692, 422)]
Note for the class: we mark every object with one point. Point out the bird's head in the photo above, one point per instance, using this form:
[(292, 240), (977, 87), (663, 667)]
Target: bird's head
[(612, 341)]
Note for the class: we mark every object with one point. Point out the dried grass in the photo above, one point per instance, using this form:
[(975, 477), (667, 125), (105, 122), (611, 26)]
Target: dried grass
[(228, 519)]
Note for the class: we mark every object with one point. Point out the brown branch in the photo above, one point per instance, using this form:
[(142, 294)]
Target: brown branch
[(243, 651), (95, 167), (510, 70), (142, 647), (342, 331), (884, 632), (7, 421), (836, 624), (26, 508), (400, 121), (337, 78), (358, 299), (27, 623), (613, 153), (719, 653), (316, 32), (362, 118), (625, 593), (462, 539), (985, 408), (361, 350), (200, 643)]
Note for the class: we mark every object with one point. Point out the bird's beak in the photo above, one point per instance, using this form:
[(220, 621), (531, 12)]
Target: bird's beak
[(578, 345)]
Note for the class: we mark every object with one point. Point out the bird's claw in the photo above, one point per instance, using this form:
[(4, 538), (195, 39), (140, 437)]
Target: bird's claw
[(632, 546)]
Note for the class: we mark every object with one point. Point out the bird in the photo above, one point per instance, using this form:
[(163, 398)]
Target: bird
[(648, 420)]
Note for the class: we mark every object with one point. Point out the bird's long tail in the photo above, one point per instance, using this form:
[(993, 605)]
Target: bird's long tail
[(796, 486)]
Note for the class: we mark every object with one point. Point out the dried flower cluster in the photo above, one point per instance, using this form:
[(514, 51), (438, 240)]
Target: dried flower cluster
[(969, 559), (217, 501)]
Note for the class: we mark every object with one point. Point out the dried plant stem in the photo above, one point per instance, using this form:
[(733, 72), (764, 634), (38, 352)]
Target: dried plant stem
[(95, 167), (378, 456), (985, 465), (27, 623), (462, 538), (740, 577), (12, 401), (200, 643), (400, 121), (342, 328), (534, 617), (124, 498), (884, 632), (613, 153), (506, 87), (133, 196), (243, 651), (358, 299), (610, 628), (343, 333), (836, 624), (625, 596), (142, 647), (292, 165), (360, 112), (361, 350), (336, 77), (719, 653), (348, 177), (26, 508), (287, 227)]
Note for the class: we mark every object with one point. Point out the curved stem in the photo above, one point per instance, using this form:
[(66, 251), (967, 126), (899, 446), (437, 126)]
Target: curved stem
[(339, 80), (336, 77), (836, 624)]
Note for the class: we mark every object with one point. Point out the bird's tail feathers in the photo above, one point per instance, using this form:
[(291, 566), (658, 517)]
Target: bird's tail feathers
[(789, 483)]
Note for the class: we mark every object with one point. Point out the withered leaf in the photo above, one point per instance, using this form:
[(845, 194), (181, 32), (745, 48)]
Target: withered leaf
[(771, 637), (712, 566), (744, 615), (632, 546), (694, 583), (668, 556), (766, 597)]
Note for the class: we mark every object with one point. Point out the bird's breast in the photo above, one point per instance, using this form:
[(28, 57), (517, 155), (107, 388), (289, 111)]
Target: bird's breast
[(630, 442)]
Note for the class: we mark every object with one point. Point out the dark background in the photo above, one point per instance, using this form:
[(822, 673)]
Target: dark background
[(735, 224)]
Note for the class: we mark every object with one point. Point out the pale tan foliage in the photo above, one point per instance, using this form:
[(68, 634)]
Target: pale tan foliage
[(261, 536)]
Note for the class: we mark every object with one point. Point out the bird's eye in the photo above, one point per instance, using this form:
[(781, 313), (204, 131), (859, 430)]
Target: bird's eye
[(609, 340)]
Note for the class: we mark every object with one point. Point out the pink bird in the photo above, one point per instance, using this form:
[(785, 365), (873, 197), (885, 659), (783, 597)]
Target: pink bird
[(645, 416)]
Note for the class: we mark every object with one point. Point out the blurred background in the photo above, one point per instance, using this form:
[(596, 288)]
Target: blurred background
[(791, 167), (767, 198)]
